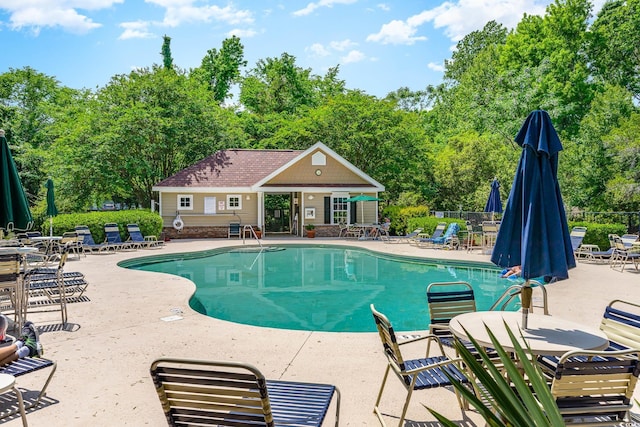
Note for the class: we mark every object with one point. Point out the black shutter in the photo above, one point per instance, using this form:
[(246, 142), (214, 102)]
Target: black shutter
[(327, 210), (354, 212)]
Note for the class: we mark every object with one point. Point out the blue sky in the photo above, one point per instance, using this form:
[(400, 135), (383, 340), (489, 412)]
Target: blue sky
[(379, 46)]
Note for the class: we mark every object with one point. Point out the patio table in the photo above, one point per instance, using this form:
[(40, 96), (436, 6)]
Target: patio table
[(545, 335), (21, 293)]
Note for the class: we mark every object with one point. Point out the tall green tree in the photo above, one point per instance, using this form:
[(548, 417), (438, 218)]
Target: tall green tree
[(221, 69), (614, 45), (167, 59)]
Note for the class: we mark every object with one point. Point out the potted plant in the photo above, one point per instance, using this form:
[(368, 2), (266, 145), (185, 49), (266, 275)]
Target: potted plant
[(311, 230), (258, 232)]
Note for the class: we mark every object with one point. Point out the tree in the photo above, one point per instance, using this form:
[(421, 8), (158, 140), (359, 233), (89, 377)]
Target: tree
[(614, 45), (167, 60), (221, 69), (277, 85), (27, 98), (623, 189)]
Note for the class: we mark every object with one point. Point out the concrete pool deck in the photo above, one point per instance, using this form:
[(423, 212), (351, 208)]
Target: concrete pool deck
[(105, 352)]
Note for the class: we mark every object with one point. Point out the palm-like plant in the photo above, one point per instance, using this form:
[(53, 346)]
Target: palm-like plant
[(512, 402)]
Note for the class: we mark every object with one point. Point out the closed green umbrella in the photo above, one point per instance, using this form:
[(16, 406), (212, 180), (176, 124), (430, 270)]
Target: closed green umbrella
[(14, 207), (51, 205)]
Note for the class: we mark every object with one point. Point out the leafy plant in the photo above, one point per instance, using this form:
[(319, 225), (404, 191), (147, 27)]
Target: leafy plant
[(503, 402), (310, 227)]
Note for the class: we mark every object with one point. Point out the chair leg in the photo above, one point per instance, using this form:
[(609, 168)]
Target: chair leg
[(23, 415), (376, 409)]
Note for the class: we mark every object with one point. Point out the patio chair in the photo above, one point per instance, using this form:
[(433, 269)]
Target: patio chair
[(595, 387), (414, 374), (10, 265), (623, 254), (234, 230), (629, 239), (197, 393), (49, 280), (112, 237), (71, 241), (25, 366), (446, 300), (89, 245), (146, 242), (620, 323)]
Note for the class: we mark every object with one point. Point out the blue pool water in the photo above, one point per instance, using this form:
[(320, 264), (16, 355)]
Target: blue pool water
[(319, 287)]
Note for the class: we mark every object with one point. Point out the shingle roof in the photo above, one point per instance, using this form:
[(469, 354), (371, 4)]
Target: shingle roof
[(231, 168)]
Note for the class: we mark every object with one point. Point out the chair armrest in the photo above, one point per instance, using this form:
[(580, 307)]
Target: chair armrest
[(150, 238)]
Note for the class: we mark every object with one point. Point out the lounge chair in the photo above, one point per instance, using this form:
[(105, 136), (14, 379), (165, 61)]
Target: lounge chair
[(437, 233), (596, 387), (592, 253), (408, 238), (448, 240), (112, 237), (234, 230), (577, 236), (51, 279), (89, 245), (146, 242), (414, 374), (197, 393), (629, 240)]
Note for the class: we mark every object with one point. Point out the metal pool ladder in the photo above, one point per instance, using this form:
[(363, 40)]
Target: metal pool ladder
[(252, 233)]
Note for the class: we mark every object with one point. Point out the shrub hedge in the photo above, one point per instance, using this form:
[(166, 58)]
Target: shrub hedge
[(150, 223)]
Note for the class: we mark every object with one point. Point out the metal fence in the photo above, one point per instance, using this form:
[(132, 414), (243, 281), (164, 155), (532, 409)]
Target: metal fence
[(630, 219)]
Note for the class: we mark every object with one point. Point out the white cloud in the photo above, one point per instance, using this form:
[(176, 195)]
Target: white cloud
[(343, 45), (458, 18), (396, 32), (38, 14), (353, 56), (242, 33), (435, 67), (317, 49), (184, 11), (322, 3), (135, 30)]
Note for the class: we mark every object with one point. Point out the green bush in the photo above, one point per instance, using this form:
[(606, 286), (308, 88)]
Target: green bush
[(598, 234), (400, 216), (150, 223)]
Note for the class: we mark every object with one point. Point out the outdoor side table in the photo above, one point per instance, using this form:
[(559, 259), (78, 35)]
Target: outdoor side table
[(8, 383)]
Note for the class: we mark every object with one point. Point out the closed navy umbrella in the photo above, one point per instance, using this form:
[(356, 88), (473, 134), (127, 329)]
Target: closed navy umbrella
[(494, 204), (534, 233), (14, 207), (51, 205)]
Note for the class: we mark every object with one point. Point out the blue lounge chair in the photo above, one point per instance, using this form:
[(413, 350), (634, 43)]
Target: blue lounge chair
[(146, 242), (112, 237), (88, 244), (448, 239), (577, 236), (26, 366)]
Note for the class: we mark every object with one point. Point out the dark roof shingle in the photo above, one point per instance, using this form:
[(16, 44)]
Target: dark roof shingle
[(231, 168)]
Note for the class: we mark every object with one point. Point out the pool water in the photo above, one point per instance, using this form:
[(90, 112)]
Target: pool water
[(319, 288)]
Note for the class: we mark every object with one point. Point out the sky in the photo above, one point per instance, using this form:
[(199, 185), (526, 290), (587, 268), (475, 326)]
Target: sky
[(379, 46)]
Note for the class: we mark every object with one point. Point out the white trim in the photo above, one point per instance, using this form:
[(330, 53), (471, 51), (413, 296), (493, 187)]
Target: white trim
[(234, 190), (377, 187)]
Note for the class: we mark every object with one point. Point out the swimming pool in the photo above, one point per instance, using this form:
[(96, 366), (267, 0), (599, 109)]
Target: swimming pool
[(319, 287)]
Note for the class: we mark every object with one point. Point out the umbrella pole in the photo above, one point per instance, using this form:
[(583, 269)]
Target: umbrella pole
[(50, 226), (525, 298)]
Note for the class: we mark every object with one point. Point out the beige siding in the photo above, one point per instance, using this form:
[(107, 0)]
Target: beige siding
[(303, 172), (196, 217), (368, 208)]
